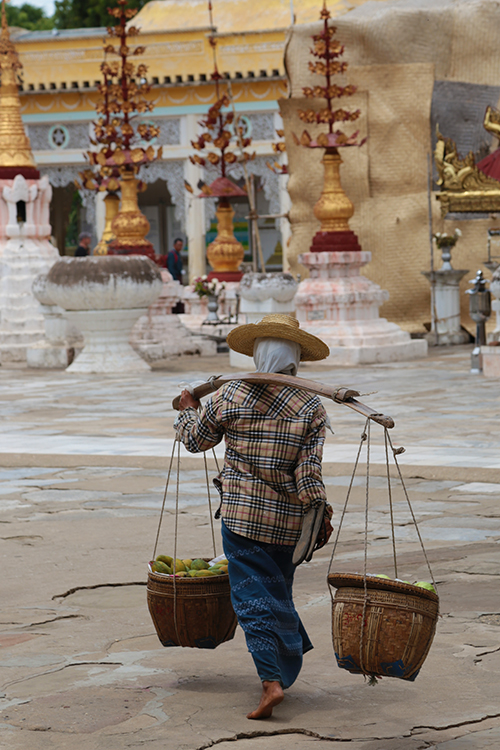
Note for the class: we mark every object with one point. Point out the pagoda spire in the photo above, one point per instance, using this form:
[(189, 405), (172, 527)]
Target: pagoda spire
[(15, 148)]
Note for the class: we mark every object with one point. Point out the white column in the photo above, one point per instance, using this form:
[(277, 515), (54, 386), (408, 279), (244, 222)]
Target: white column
[(285, 202), (100, 214), (195, 208), (285, 228)]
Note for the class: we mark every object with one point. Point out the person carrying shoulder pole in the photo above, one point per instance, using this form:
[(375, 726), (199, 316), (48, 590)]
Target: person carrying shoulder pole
[(270, 481)]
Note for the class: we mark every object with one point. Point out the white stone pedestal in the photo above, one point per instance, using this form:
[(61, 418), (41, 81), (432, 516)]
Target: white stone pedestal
[(51, 352), (495, 303), (341, 307), (446, 328), (160, 335), (103, 297), (262, 294), (490, 356), (25, 252), (106, 334)]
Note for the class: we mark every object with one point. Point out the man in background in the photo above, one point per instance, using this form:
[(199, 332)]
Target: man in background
[(174, 266), (174, 260), (84, 239)]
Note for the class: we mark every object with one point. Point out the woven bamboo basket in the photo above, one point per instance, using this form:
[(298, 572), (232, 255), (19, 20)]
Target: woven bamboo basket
[(199, 614), (398, 629)]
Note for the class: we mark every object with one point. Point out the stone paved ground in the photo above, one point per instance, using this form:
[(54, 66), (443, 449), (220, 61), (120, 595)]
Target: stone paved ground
[(83, 468)]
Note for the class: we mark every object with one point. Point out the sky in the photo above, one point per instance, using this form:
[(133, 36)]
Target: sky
[(47, 5)]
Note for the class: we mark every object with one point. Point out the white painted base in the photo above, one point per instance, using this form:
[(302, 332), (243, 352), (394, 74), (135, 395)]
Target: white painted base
[(22, 323), (341, 307), (495, 307), (364, 342), (160, 335), (52, 351), (491, 361), (43, 356), (163, 337), (446, 329), (106, 334)]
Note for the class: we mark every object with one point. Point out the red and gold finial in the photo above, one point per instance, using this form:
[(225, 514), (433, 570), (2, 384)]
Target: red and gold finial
[(327, 50), (219, 125)]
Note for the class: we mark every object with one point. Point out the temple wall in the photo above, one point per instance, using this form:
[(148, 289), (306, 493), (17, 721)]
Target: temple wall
[(407, 58)]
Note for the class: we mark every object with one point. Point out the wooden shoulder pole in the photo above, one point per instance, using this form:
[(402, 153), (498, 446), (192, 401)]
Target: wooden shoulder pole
[(339, 394)]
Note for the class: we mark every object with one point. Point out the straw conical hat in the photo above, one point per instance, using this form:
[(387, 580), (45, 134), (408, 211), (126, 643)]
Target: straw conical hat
[(276, 326)]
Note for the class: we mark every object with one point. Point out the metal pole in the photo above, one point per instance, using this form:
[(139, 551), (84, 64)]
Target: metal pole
[(429, 206), (434, 319), (251, 220)]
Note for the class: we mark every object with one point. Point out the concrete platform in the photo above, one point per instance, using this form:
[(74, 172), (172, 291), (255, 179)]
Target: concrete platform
[(84, 461)]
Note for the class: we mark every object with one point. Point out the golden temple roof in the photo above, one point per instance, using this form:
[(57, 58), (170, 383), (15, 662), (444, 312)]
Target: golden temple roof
[(61, 68), (233, 16), (15, 148)]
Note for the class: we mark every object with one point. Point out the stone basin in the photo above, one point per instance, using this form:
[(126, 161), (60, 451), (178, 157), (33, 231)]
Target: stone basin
[(257, 287), (107, 282), (104, 296)]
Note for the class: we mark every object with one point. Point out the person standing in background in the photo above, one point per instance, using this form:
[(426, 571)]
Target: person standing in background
[(83, 249), (174, 260)]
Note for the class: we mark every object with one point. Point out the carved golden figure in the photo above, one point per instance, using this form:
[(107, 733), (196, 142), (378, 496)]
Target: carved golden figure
[(464, 187)]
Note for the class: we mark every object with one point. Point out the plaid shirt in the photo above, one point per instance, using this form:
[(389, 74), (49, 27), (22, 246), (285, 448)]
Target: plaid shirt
[(274, 446)]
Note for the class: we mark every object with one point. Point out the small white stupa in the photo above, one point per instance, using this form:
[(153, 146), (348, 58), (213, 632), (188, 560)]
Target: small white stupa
[(25, 247)]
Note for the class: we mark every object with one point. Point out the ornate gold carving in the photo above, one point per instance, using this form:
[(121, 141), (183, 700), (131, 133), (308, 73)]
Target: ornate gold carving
[(463, 186), (333, 209), (491, 121), (130, 226), (112, 206), (15, 149), (225, 253)]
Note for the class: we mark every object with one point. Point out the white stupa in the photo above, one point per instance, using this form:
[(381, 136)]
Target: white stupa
[(25, 247)]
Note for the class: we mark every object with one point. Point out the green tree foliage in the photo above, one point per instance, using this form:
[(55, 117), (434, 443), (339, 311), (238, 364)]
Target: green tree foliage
[(76, 14), (28, 17)]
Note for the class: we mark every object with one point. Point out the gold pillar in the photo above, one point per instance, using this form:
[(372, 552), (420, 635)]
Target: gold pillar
[(225, 253), (130, 226), (333, 209), (112, 205)]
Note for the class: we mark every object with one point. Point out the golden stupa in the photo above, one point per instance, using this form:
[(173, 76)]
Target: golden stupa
[(15, 147)]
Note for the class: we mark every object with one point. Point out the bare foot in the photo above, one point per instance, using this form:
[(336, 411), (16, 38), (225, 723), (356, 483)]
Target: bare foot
[(272, 695)]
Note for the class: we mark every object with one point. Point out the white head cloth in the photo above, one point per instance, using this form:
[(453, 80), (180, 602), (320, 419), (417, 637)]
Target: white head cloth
[(276, 355)]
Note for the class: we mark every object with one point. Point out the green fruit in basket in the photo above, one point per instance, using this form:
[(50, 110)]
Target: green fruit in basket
[(425, 585), (199, 565), (382, 575), (188, 563), (205, 573), (221, 571), (165, 559), (192, 573), (160, 567), (182, 574), (179, 566)]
